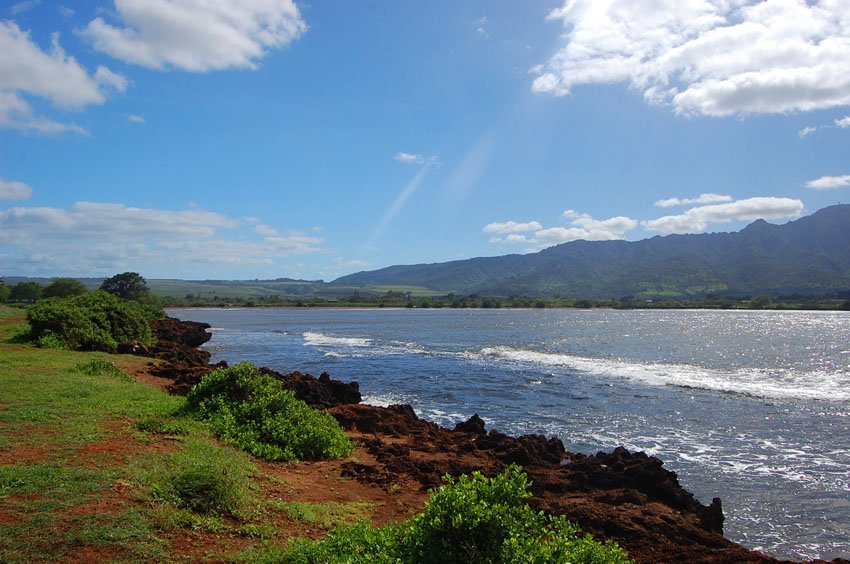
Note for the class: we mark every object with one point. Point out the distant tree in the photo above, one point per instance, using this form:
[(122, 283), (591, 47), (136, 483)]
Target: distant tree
[(25, 292), (4, 291), (64, 288), (127, 285), (760, 302)]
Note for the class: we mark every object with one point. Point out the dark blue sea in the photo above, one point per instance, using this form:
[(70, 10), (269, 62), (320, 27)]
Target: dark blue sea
[(753, 407)]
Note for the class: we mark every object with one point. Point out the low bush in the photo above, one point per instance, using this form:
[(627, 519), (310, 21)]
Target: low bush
[(207, 479), (96, 321), (255, 412), (474, 519)]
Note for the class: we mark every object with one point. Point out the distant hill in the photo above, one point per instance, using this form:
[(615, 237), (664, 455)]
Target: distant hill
[(809, 255)]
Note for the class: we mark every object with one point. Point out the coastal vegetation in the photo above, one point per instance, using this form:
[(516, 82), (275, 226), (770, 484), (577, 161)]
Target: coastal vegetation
[(475, 519), (255, 412), (93, 462)]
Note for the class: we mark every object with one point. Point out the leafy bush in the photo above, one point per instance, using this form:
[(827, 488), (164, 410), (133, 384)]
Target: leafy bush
[(208, 479), (96, 321), (255, 412), (472, 520)]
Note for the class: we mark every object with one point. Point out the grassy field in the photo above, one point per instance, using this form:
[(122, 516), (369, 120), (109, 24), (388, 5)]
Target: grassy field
[(97, 466)]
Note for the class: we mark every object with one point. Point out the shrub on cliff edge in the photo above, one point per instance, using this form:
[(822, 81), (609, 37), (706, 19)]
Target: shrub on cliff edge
[(472, 520), (93, 322), (254, 411)]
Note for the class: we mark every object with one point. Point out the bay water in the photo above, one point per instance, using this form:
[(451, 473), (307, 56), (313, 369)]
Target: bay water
[(749, 406)]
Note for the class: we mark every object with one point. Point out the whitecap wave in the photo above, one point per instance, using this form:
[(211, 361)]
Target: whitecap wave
[(315, 339), (775, 384)]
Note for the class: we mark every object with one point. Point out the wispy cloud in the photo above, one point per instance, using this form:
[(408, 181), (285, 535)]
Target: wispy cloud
[(697, 219), (512, 227), (409, 158), (136, 118), (707, 58), (398, 204), (19, 8), (806, 131), (46, 239), (701, 199), (829, 182)]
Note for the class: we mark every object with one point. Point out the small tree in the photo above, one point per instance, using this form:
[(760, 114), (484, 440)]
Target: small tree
[(4, 291), (127, 286), (64, 288), (25, 292)]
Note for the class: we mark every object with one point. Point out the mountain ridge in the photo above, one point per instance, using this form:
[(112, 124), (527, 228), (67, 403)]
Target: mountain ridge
[(810, 254)]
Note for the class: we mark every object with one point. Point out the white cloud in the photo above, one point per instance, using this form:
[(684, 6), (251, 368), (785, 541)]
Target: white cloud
[(25, 6), (843, 122), (196, 36), (106, 77), (829, 182), (14, 190), (707, 57), (806, 131), (697, 219), (536, 69), (102, 237), (409, 158), (55, 76), (136, 118), (701, 199), (511, 227), (582, 226), (66, 12), (589, 229)]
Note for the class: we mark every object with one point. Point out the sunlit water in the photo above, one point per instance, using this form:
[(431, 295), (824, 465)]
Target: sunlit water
[(753, 407)]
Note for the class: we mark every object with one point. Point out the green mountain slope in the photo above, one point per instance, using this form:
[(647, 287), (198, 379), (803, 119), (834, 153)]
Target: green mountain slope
[(811, 254)]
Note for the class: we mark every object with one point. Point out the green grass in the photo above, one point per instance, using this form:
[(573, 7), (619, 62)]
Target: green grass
[(324, 515), (53, 404)]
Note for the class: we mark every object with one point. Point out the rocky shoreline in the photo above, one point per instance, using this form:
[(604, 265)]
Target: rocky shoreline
[(623, 496)]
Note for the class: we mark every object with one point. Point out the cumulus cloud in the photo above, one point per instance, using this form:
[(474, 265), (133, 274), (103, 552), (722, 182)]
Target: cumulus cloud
[(14, 190), (843, 122), (582, 226), (701, 199), (96, 237), (196, 36), (26, 69), (707, 57), (697, 219), (829, 182), (511, 227)]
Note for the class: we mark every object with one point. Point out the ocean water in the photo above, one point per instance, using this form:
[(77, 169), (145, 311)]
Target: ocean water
[(753, 407)]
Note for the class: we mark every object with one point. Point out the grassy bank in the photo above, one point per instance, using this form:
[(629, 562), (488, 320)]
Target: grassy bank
[(96, 465)]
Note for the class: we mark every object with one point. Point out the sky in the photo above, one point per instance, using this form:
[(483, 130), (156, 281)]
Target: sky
[(207, 139)]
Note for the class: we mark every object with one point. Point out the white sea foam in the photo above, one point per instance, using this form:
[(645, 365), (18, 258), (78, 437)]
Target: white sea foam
[(315, 339), (778, 384)]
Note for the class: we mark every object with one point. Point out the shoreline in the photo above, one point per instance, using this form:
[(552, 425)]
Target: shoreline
[(626, 497)]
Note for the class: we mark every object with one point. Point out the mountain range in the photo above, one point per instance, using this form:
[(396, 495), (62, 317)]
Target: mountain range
[(808, 255)]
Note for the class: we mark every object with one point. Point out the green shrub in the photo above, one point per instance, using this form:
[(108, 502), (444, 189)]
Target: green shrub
[(255, 412), (472, 520), (96, 321), (208, 479)]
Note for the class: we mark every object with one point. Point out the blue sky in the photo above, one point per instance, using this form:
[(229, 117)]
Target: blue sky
[(266, 138)]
